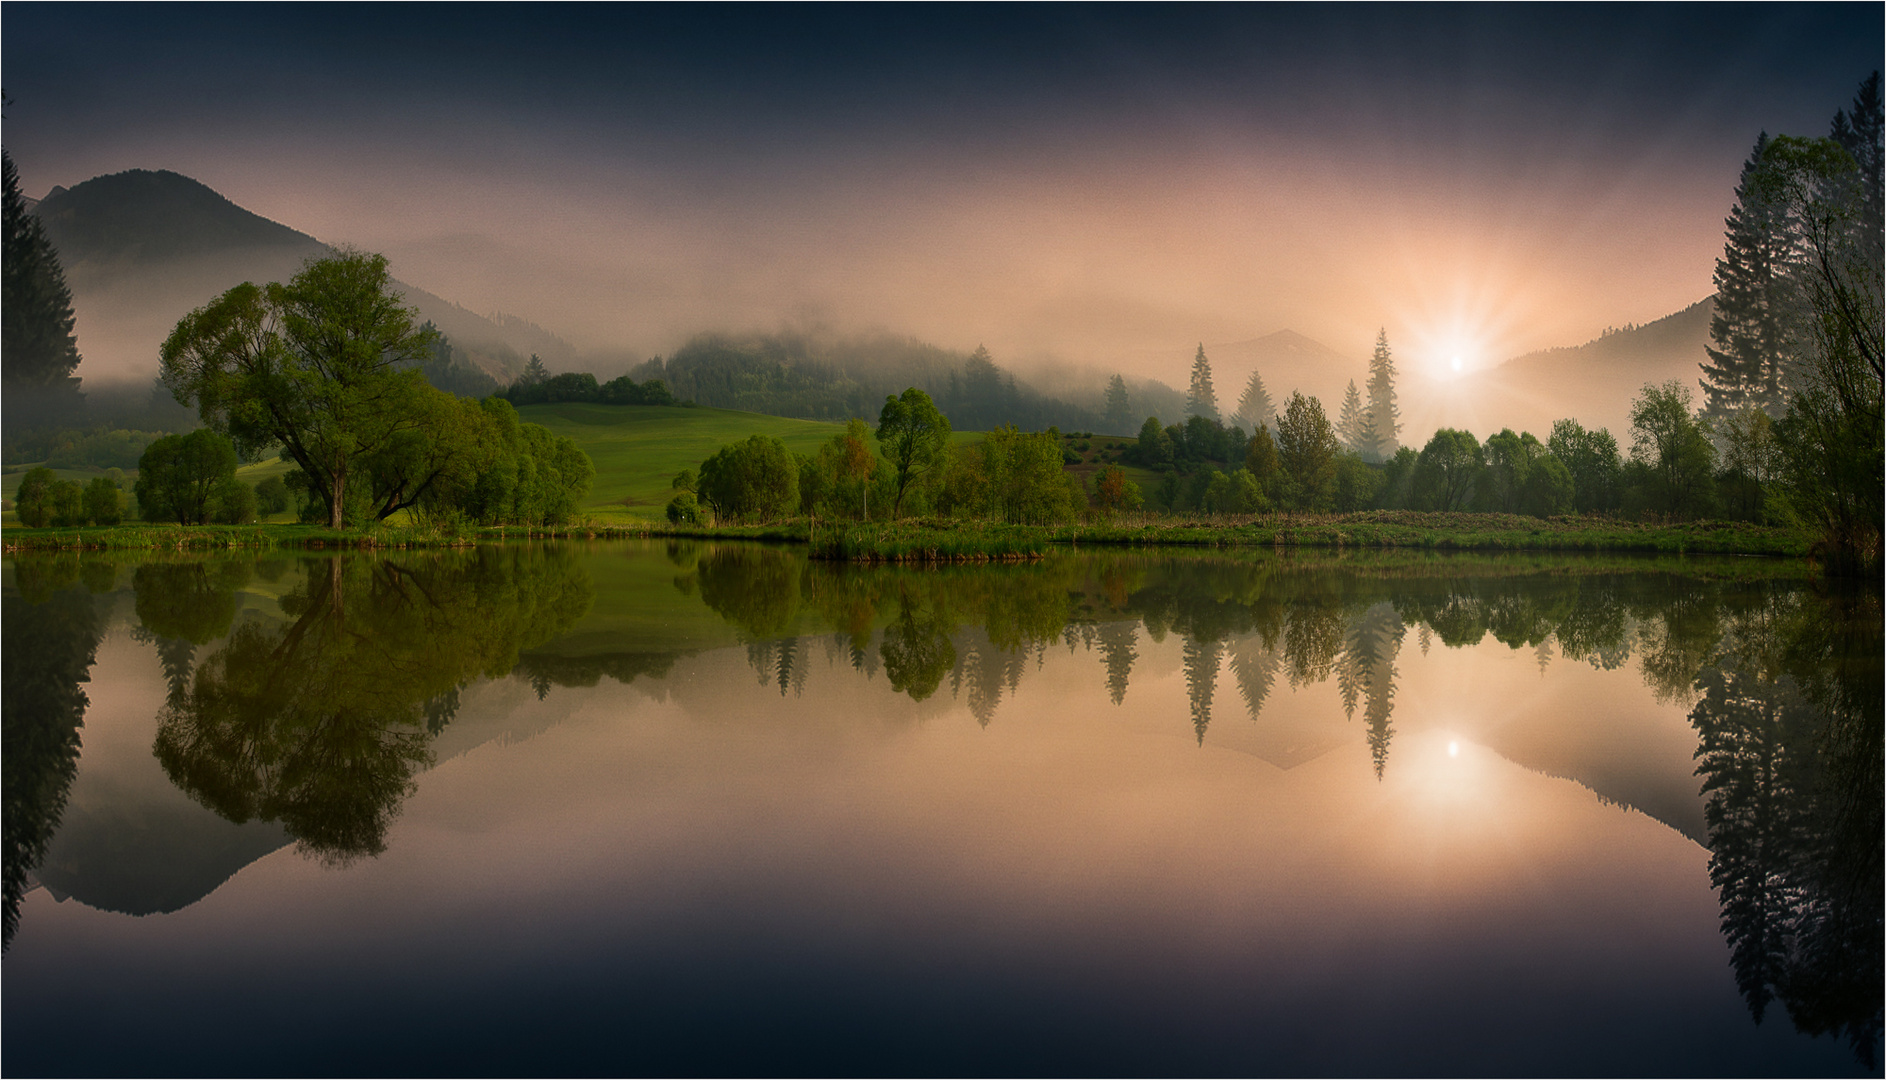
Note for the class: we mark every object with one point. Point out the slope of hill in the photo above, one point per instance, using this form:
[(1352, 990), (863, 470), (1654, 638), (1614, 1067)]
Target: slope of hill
[(1595, 382), (143, 248)]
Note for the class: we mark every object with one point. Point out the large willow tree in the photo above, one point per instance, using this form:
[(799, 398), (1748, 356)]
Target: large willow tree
[(326, 367)]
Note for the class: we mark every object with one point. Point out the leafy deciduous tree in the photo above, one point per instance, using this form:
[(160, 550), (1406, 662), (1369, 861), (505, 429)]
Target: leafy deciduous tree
[(915, 437)]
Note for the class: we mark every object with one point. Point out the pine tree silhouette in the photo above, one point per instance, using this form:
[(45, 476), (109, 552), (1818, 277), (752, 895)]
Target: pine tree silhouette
[(1201, 399)]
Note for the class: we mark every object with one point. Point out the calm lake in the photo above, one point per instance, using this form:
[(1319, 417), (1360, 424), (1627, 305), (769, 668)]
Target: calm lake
[(686, 807)]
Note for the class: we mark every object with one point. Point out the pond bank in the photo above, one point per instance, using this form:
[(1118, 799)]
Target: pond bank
[(919, 540)]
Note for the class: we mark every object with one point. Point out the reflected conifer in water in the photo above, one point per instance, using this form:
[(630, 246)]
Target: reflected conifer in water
[(1790, 719), (51, 638), (1117, 641), (1202, 658)]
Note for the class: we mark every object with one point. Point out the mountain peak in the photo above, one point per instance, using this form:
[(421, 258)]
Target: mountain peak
[(145, 216)]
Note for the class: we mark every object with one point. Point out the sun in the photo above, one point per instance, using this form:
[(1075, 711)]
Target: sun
[(1457, 363)]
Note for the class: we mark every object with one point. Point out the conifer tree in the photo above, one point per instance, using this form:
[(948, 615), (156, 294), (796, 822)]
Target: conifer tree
[(1350, 422), (1859, 133), (1384, 415), (1201, 399), (1747, 340), (1255, 406), (534, 372), (38, 351), (1119, 406)]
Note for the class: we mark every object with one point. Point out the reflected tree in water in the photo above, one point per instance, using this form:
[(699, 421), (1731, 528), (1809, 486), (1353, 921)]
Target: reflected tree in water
[(1202, 659), (917, 650), (1789, 719), (321, 723), (1117, 650), (1254, 663), (185, 604), (52, 631)]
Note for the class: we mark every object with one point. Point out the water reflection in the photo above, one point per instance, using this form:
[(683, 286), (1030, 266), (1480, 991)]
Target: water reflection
[(309, 691), (50, 638), (1789, 719), (321, 723)]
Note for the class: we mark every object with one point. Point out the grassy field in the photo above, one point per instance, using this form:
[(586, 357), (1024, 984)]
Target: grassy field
[(638, 449)]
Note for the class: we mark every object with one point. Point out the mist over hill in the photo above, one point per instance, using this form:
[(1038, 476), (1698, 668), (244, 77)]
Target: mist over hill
[(143, 248), (1595, 382), (823, 375)]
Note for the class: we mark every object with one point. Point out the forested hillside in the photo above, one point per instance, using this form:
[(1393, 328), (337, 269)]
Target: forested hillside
[(826, 377)]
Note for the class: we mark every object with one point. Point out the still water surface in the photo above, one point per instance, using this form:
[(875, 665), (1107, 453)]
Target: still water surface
[(645, 807)]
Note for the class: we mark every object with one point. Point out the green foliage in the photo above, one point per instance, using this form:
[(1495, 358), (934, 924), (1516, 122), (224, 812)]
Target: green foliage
[(235, 502), (1447, 471), (104, 501), (1548, 490), (324, 367), (101, 448), (1119, 406), (32, 500), (1747, 355), (1357, 485), (433, 465), (271, 496), (446, 369), (1115, 493), (1671, 447), (1307, 450), (752, 479), (683, 509), (581, 386), (1397, 491), (1154, 446), (1254, 407), (1381, 429), (915, 439), (178, 476), (38, 350), (1201, 399), (837, 481), (1591, 457), (1352, 422), (1825, 204), (510, 473), (1022, 480)]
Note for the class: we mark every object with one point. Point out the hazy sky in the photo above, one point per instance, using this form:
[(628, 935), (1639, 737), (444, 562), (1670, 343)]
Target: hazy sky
[(1093, 185)]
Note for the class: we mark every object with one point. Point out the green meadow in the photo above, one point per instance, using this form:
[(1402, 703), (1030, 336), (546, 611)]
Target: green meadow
[(638, 449)]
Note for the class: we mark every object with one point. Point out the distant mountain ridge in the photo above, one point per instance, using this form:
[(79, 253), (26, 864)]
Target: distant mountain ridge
[(142, 248)]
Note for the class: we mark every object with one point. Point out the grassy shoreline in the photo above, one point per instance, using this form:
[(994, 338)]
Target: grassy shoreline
[(919, 540)]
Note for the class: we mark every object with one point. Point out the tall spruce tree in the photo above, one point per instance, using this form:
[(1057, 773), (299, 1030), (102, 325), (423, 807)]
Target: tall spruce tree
[(1119, 406), (1859, 132), (38, 351), (1748, 341), (1255, 406), (1384, 414), (1351, 421), (1201, 399)]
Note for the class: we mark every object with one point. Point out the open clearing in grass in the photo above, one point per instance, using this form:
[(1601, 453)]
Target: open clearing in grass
[(638, 449)]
